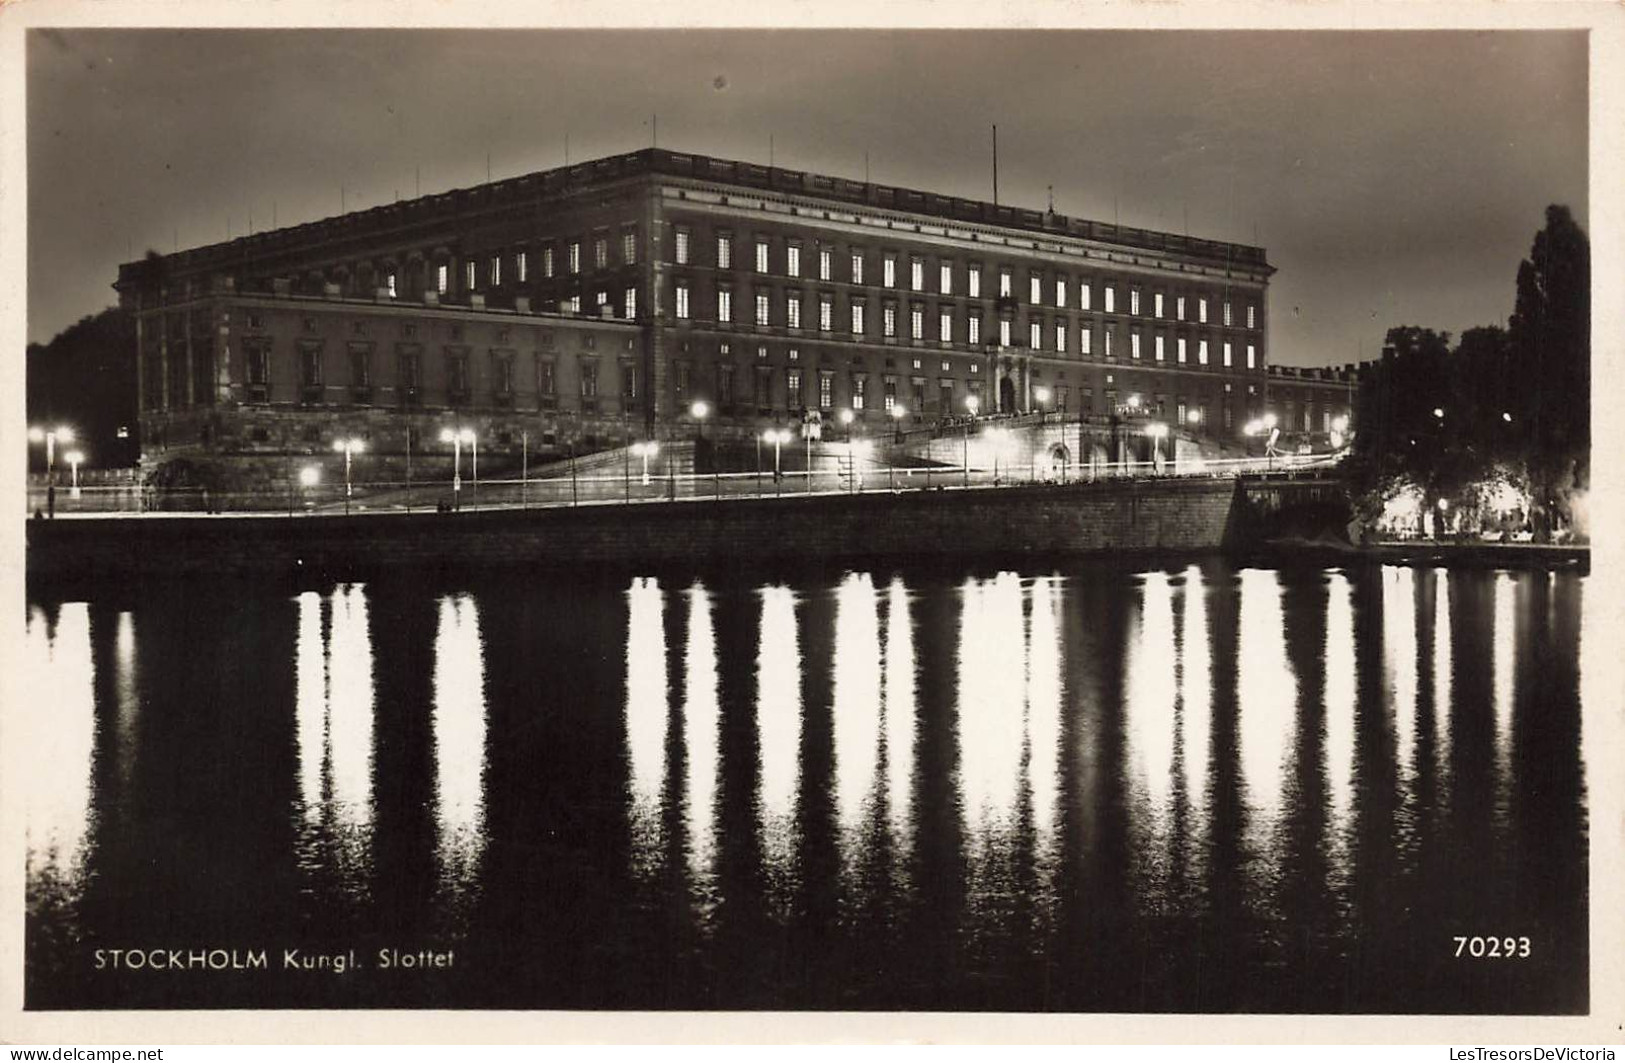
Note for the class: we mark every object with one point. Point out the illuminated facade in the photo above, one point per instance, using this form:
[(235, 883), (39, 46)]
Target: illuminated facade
[(595, 304)]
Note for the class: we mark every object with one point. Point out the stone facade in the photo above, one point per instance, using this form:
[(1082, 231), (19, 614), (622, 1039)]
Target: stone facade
[(594, 304)]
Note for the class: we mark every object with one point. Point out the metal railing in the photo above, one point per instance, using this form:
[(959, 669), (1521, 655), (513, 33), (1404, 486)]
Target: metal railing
[(628, 486)]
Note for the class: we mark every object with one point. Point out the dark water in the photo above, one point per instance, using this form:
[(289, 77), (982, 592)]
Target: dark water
[(1193, 789)]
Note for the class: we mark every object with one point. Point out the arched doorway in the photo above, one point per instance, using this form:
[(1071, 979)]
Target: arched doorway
[(1007, 395), (1060, 462)]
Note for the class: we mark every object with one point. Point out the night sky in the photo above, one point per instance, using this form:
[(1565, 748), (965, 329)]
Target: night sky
[(1394, 177)]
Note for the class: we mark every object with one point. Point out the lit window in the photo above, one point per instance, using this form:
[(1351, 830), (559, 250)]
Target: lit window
[(1156, 304), (682, 249), (1085, 336), (792, 388), (600, 252), (857, 319), (575, 303), (1060, 337), (974, 282), (629, 247), (390, 280), (860, 389), (1201, 310), (792, 309), (1179, 350), (1083, 296), (792, 260), (1252, 316), (761, 256), (945, 278), (575, 256), (1107, 340), (825, 264), (1134, 345), (1004, 284), (1227, 321), (888, 320), (826, 388), (1035, 289), (1134, 301), (1035, 335), (826, 313), (888, 269), (1201, 352), (857, 267), (1004, 332), (1111, 299), (1227, 354), (916, 274), (496, 271), (916, 322), (1060, 291), (547, 261), (945, 326), (1179, 308), (1252, 357), (725, 305), (468, 275), (602, 300), (725, 251), (682, 300), (973, 330), (761, 308), (629, 304), (521, 265), (1158, 353)]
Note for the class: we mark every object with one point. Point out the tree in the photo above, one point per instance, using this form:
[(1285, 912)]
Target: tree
[(1550, 339)]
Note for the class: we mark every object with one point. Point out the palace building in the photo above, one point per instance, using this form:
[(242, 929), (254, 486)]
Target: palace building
[(596, 304)]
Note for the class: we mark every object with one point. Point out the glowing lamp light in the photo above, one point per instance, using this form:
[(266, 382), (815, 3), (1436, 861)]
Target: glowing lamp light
[(846, 416), (898, 412), (1194, 417), (1041, 394), (972, 403), (1156, 430), (1269, 420), (310, 476), (699, 409), (1134, 402)]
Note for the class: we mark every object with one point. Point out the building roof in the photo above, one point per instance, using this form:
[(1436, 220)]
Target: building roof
[(660, 162)]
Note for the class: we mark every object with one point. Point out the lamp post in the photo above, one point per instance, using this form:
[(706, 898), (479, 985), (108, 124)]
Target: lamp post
[(898, 412), (50, 437), (646, 450), (698, 411), (972, 403), (457, 437), (1156, 430), (1269, 442), (73, 458), (996, 437), (778, 437), (348, 447), (310, 476)]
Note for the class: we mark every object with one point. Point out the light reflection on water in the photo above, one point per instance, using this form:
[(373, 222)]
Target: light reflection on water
[(940, 779)]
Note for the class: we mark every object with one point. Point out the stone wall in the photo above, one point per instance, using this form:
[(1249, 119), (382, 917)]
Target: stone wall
[(1028, 520)]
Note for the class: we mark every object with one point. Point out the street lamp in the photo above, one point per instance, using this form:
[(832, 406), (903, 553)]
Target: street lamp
[(997, 437), (646, 451), (972, 403), (310, 476), (1156, 430), (348, 447), (457, 437), (856, 452), (698, 411), (778, 437), (846, 417), (50, 437), (73, 458), (1041, 396)]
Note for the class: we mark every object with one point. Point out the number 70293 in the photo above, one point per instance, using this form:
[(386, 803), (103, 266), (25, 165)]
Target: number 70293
[(1492, 948)]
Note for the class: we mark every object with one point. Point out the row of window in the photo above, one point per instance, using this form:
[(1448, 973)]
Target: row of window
[(1160, 303), (1039, 337)]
